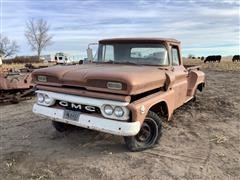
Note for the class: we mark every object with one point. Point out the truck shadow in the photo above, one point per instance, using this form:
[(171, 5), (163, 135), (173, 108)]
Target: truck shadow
[(89, 141)]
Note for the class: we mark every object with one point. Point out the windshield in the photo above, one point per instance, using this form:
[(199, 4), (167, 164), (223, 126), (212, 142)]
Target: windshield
[(146, 54)]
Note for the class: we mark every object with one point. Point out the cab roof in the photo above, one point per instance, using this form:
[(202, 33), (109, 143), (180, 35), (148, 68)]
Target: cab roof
[(137, 40)]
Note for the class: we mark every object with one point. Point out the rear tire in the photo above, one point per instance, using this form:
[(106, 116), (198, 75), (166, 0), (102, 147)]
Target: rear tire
[(61, 127), (148, 135)]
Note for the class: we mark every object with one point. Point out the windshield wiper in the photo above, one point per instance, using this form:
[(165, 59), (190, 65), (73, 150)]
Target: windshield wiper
[(105, 62), (117, 62)]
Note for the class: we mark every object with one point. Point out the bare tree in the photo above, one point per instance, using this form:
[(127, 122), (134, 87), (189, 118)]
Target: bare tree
[(37, 35), (7, 47)]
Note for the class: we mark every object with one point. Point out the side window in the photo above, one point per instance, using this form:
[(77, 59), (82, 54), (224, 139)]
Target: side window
[(175, 56)]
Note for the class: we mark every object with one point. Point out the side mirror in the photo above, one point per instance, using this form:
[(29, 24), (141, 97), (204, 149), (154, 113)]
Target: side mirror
[(89, 54)]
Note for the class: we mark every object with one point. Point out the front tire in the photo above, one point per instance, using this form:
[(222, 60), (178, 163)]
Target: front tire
[(148, 135)]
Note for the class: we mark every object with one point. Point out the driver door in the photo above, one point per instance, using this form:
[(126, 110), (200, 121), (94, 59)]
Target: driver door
[(180, 85)]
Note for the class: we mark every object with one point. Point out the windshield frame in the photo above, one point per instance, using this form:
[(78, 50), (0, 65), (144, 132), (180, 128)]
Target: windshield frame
[(100, 46)]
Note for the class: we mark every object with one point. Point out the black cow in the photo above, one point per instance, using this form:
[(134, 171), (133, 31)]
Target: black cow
[(236, 58), (209, 59), (218, 58), (213, 58)]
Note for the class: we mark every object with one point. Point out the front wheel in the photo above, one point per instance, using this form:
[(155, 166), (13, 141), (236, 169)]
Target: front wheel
[(148, 135)]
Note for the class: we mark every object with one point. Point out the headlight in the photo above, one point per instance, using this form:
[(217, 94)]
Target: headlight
[(44, 99), (48, 100), (115, 112), (40, 97), (118, 111), (108, 110)]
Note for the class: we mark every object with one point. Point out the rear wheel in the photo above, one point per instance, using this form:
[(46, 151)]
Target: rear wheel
[(148, 135), (61, 127)]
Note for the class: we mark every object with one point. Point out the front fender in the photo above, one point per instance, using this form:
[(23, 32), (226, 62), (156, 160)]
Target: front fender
[(140, 108)]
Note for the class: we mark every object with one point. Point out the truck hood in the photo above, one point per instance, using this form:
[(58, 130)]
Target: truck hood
[(134, 79)]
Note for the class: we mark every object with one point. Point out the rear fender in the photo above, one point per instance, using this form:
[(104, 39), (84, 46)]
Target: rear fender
[(196, 78)]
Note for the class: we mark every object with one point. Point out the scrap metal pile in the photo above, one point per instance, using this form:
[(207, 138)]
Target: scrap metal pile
[(16, 85)]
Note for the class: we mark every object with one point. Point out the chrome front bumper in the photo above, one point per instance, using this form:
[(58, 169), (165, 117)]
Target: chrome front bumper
[(121, 128)]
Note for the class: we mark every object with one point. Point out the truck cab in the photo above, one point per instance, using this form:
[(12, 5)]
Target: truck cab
[(128, 89)]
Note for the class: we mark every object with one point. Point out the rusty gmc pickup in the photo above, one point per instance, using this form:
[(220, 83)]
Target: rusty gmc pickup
[(127, 89)]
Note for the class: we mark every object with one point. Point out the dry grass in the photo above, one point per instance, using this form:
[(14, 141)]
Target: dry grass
[(22, 65), (15, 66), (224, 65)]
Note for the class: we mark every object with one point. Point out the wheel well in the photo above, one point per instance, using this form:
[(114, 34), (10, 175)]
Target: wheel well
[(201, 86), (160, 108)]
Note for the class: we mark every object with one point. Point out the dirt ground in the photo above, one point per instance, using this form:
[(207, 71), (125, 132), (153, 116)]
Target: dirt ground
[(201, 142)]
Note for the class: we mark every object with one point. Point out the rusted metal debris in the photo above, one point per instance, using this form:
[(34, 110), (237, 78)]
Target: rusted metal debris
[(16, 85)]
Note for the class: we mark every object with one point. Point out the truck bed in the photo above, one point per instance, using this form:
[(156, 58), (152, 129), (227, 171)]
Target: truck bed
[(192, 67)]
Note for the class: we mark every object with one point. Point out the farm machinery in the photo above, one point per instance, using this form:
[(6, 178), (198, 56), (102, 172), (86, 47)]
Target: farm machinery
[(16, 85)]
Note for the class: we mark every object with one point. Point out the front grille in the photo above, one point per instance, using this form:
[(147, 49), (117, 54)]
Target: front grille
[(78, 107)]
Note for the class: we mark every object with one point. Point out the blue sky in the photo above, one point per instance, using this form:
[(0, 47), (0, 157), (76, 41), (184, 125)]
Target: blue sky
[(204, 26)]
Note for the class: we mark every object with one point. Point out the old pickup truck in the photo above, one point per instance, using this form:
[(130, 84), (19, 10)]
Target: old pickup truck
[(128, 89)]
